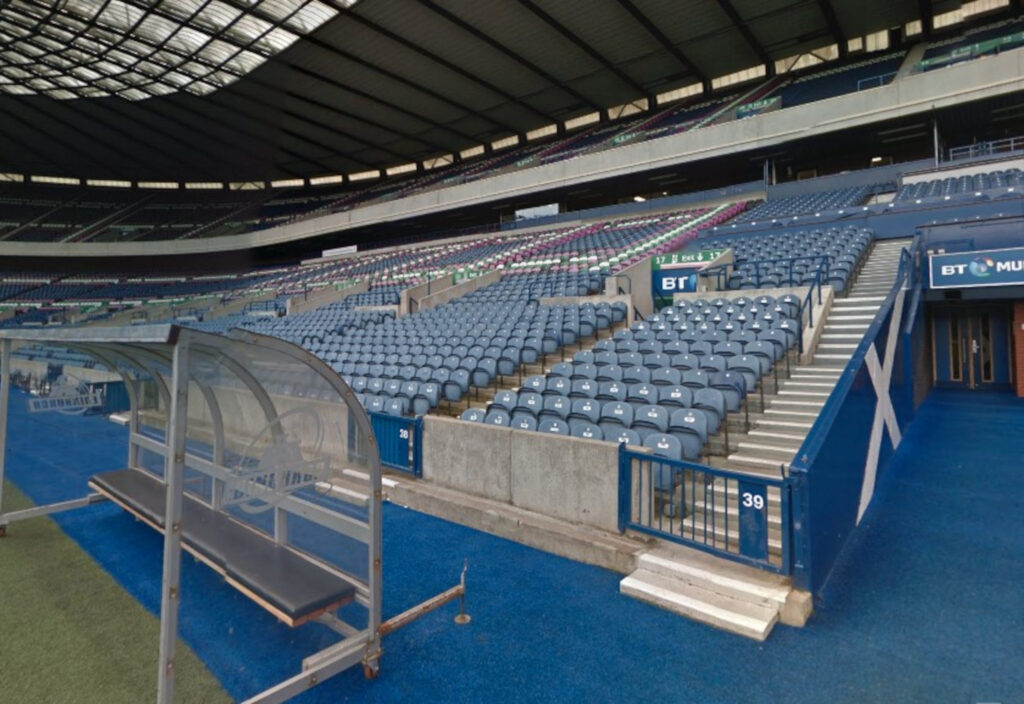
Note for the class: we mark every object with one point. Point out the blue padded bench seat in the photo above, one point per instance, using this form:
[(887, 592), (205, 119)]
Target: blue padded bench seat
[(282, 581)]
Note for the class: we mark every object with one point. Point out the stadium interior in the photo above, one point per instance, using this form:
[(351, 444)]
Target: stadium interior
[(526, 350)]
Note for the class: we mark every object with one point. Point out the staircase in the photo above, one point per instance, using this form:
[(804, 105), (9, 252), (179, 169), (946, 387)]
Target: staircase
[(733, 597), (780, 429)]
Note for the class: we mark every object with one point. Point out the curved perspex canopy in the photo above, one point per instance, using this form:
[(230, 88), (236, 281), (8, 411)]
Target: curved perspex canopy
[(250, 453)]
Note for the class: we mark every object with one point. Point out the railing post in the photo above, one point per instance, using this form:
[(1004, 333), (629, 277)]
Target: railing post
[(624, 487), (417, 452)]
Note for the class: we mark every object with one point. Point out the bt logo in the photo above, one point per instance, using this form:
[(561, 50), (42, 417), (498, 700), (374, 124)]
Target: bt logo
[(980, 266), (675, 283)]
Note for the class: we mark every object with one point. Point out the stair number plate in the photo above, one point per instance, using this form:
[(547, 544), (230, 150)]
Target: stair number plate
[(753, 520)]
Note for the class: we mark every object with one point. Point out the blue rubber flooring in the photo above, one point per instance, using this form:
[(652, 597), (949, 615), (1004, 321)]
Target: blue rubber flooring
[(926, 605)]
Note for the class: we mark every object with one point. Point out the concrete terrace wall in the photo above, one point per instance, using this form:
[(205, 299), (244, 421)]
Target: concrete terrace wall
[(322, 296), (915, 95), (570, 479), (638, 288), (457, 291)]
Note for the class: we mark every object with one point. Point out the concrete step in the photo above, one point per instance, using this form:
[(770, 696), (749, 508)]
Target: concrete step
[(832, 357), (845, 310), (810, 371), (779, 453), (745, 459), (803, 395), (767, 425), (861, 299), (838, 347), (705, 571), (798, 384), (769, 435), (741, 616), (850, 318), (848, 327), (832, 337), (791, 414), (798, 403)]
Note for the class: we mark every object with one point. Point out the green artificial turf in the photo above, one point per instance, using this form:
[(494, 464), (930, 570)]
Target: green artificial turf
[(70, 635)]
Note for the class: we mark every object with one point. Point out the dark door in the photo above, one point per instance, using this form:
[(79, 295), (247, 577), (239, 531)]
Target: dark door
[(971, 346)]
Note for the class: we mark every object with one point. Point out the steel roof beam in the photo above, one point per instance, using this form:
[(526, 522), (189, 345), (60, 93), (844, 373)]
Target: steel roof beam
[(741, 26), (495, 44), (655, 32), (583, 46)]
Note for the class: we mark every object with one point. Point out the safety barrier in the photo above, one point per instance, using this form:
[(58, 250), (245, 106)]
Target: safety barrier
[(738, 516), (400, 441)]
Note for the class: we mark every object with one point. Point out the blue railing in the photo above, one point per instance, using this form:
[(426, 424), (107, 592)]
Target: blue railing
[(806, 314), (741, 517), (833, 472), (400, 441)]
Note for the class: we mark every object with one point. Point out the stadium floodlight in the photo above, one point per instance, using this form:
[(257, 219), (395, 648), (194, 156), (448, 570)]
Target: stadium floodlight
[(138, 49)]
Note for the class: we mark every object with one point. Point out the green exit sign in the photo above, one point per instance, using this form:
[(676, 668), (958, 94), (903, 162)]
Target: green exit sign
[(667, 261)]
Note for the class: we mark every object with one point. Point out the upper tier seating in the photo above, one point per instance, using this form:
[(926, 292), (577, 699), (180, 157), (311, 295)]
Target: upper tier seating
[(992, 183), (794, 257), (781, 208)]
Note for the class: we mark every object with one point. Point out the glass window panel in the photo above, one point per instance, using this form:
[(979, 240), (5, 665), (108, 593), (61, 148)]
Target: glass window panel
[(176, 79), (182, 9), (99, 47), (279, 9), (311, 16), (189, 40), (133, 94), (277, 40), (155, 29), (200, 88), (218, 15), (245, 61), (248, 28), (119, 15)]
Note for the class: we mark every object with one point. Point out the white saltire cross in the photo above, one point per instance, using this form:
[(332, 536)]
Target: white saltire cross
[(885, 414)]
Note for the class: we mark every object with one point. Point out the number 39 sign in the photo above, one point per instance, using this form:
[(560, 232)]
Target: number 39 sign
[(753, 520)]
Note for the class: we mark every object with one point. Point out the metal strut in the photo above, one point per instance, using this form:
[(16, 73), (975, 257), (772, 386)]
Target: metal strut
[(431, 604)]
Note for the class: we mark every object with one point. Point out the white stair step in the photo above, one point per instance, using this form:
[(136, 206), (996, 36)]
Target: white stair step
[(784, 424), (838, 346), (861, 299), (862, 327), (759, 586), (733, 615), (756, 461), (761, 449), (845, 310), (836, 336), (786, 412), (810, 394), (810, 385), (850, 318), (774, 434), (832, 357)]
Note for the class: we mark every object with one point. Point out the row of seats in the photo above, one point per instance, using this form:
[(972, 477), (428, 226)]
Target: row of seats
[(795, 257)]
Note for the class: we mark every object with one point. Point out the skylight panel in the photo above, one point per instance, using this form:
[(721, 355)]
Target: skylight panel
[(105, 46)]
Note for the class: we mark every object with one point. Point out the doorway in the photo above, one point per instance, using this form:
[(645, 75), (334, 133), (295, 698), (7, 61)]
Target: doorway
[(971, 345)]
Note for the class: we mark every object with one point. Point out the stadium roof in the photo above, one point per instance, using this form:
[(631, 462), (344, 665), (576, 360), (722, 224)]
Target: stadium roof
[(272, 89)]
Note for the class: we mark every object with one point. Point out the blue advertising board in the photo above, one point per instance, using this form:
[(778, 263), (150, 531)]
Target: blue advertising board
[(991, 267)]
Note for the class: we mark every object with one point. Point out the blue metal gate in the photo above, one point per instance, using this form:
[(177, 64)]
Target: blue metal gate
[(400, 441), (742, 517)]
